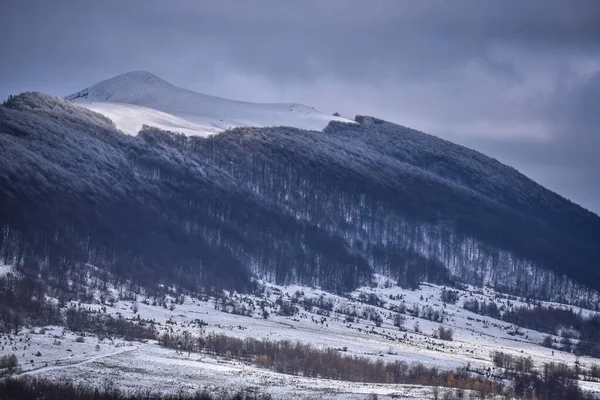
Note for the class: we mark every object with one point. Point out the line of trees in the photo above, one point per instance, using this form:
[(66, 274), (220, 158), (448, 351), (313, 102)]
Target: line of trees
[(80, 319), (543, 319), (552, 320), (297, 358), (513, 363), (489, 309), (35, 389), (554, 382)]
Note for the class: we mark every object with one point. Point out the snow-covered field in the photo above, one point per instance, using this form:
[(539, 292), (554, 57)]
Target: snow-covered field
[(137, 98), (147, 365)]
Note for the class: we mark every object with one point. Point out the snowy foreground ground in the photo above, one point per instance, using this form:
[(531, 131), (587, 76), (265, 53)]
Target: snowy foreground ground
[(56, 353)]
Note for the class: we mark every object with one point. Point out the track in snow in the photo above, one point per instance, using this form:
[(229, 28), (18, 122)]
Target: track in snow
[(88, 361)]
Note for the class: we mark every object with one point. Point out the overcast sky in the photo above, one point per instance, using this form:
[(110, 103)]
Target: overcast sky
[(518, 80)]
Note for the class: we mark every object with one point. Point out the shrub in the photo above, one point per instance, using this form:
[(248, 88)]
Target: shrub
[(449, 296), (9, 361), (444, 333), (399, 320), (547, 342)]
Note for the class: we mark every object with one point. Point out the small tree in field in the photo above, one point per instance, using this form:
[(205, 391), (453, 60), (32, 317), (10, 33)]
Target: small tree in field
[(444, 333), (399, 320), (9, 362)]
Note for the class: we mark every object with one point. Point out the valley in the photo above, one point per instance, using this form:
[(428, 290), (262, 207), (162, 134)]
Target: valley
[(360, 324)]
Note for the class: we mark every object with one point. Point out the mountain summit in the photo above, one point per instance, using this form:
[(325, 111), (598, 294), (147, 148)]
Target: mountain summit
[(140, 98), (130, 87)]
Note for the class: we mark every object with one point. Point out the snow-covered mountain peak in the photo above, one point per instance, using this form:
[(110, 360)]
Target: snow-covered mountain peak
[(137, 98), (139, 75), (128, 87), (134, 78)]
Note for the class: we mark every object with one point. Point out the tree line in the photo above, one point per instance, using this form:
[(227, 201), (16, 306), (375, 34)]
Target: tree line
[(552, 320), (296, 358), (35, 389)]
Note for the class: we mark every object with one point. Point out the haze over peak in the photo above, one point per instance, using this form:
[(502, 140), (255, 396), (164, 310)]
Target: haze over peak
[(139, 97)]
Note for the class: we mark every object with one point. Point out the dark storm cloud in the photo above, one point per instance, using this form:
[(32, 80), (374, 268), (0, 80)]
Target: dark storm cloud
[(516, 79)]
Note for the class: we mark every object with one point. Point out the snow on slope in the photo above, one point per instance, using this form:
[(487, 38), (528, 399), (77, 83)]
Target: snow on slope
[(5, 269), (138, 98), (132, 365), (129, 118)]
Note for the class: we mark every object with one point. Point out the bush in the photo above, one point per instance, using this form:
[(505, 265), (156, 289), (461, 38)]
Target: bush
[(444, 333), (9, 361), (80, 339), (567, 343), (399, 320), (449, 296), (547, 342)]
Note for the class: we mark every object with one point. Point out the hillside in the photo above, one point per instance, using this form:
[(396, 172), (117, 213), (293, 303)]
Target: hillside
[(140, 98), (323, 208)]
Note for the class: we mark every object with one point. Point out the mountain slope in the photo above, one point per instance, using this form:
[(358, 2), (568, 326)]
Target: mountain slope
[(137, 98), (325, 208)]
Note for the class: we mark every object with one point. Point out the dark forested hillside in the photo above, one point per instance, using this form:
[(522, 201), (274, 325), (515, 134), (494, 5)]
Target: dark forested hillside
[(325, 208)]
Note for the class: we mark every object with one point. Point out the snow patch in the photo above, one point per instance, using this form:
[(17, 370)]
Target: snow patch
[(137, 98), (6, 269)]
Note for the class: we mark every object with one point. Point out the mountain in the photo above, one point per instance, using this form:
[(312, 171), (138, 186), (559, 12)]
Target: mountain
[(137, 98), (327, 208)]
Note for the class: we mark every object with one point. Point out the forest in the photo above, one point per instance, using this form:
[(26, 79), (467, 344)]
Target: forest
[(324, 208), (564, 322)]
